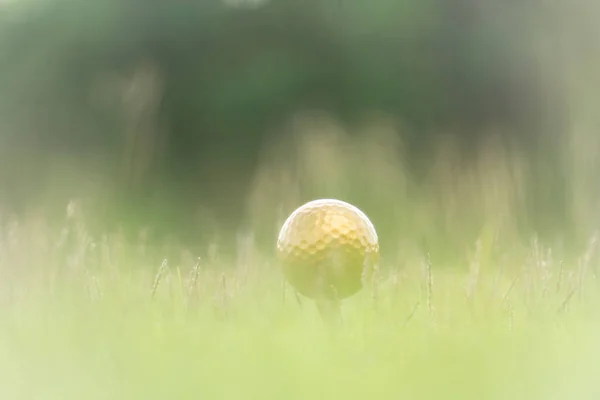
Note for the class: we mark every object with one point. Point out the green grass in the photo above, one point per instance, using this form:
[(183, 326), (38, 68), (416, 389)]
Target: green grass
[(97, 328), (85, 317)]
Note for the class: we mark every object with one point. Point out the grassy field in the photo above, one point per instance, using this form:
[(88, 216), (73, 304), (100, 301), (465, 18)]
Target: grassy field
[(488, 314), (84, 317), (87, 323)]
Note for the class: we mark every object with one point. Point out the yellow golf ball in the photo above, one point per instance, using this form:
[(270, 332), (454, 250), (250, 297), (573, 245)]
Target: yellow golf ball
[(324, 247)]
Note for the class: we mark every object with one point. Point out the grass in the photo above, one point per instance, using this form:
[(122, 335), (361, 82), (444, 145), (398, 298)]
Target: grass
[(85, 317), (86, 321)]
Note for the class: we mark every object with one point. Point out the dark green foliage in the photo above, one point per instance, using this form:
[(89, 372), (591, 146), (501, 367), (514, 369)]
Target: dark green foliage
[(228, 76)]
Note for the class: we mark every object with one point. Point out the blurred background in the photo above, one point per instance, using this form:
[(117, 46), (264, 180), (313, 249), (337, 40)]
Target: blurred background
[(454, 124)]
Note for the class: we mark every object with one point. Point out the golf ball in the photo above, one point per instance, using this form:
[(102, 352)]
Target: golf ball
[(324, 247)]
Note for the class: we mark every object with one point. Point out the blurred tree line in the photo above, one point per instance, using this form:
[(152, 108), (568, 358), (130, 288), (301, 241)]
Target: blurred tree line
[(178, 97)]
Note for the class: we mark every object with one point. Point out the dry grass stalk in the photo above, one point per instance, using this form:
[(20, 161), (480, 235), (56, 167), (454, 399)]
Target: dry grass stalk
[(159, 275), (510, 288), (563, 305), (193, 280), (411, 315), (561, 274)]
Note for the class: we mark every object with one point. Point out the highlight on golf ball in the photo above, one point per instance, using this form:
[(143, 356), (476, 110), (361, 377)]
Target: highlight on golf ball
[(324, 248)]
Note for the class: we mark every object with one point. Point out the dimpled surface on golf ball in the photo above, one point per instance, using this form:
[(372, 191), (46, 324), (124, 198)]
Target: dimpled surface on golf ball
[(324, 247)]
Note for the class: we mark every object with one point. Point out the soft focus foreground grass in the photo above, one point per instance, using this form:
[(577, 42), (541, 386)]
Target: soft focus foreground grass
[(102, 333)]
